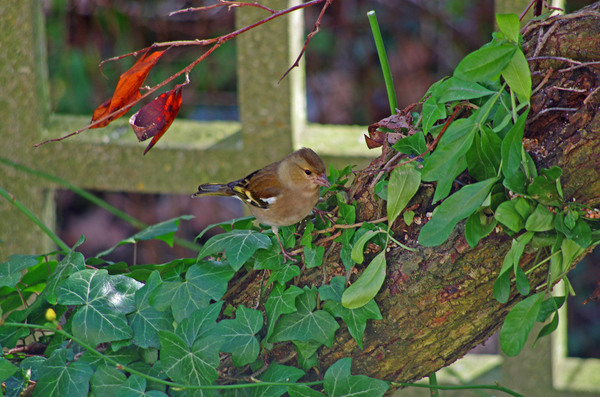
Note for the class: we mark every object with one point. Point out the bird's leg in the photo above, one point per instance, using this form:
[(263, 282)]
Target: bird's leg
[(286, 256)]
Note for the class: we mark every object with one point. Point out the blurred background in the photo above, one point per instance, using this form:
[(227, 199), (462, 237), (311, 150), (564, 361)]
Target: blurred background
[(425, 39)]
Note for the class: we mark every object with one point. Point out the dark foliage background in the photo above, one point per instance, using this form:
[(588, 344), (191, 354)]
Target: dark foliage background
[(425, 39)]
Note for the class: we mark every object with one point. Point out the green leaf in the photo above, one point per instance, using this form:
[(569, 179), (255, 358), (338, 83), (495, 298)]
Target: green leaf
[(280, 302), (570, 251), (239, 245), (512, 145), (508, 215), (518, 77), (347, 213), (204, 281), (544, 191), (98, 318), (509, 25), (195, 366), (444, 184), (522, 281), (134, 386), (455, 89), (359, 247), (501, 288), (164, 231), (455, 208), (338, 382), (285, 274), (306, 324), (276, 373), (485, 63), (518, 323), (6, 369), (313, 257), (71, 263), (432, 112), (548, 328), (483, 157), (513, 256), (355, 319), (307, 353), (238, 335), (404, 183), (541, 220), (549, 306), (10, 271), (455, 142), (412, 144), (146, 321), (200, 324), (57, 379), (303, 391), (106, 381), (368, 284), (478, 226)]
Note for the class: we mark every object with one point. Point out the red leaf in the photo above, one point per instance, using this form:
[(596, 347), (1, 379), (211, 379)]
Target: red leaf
[(128, 88), (153, 120)]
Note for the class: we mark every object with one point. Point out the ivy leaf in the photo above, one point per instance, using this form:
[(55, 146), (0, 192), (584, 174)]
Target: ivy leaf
[(368, 284), (135, 385), (306, 324), (57, 379), (455, 89), (338, 382), (239, 245), (10, 271), (106, 380), (303, 391), (404, 183), (204, 281), (71, 263), (307, 353), (313, 257), (518, 323), (164, 231), (485, 63), (518, 77), (455, 208), (238, 335), (195, 366), (200, 324), (280, 302), (512, 145), (355, 319), (6, 369), (276, 373), (509, 25), (98, 318), (146, 321), (284, 274)]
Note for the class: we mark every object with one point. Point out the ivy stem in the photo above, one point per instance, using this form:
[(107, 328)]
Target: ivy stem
[(385, 67), (125, 368), (53, 236)]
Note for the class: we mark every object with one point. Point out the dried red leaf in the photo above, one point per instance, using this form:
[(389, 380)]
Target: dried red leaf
[(400, 123), (128, 88), (153, 120)]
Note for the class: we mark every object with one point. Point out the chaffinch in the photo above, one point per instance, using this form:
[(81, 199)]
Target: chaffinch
[(280, 194)]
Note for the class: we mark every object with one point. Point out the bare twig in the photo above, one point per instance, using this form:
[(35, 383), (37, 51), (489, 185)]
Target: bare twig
[(308, 38), (216, 43), (223, 3)]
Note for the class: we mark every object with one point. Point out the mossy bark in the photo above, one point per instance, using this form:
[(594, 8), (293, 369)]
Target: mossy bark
[(437, 303)]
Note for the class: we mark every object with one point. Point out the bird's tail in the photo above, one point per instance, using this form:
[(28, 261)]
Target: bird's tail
[(213, 189)]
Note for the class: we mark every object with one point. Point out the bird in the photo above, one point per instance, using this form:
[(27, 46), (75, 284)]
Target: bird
[(280, 194)]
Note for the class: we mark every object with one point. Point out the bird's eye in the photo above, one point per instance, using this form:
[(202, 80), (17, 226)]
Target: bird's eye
[(308, 172)]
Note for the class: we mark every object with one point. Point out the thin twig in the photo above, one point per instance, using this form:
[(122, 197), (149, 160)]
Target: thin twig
[(217, 43), (223, 3), (308, 38), (344, 226), (581, 65)]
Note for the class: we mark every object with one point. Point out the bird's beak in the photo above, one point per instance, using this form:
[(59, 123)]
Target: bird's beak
[(322, 180)]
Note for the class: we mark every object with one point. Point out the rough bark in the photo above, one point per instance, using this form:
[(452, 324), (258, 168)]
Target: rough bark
[(437, 303)]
